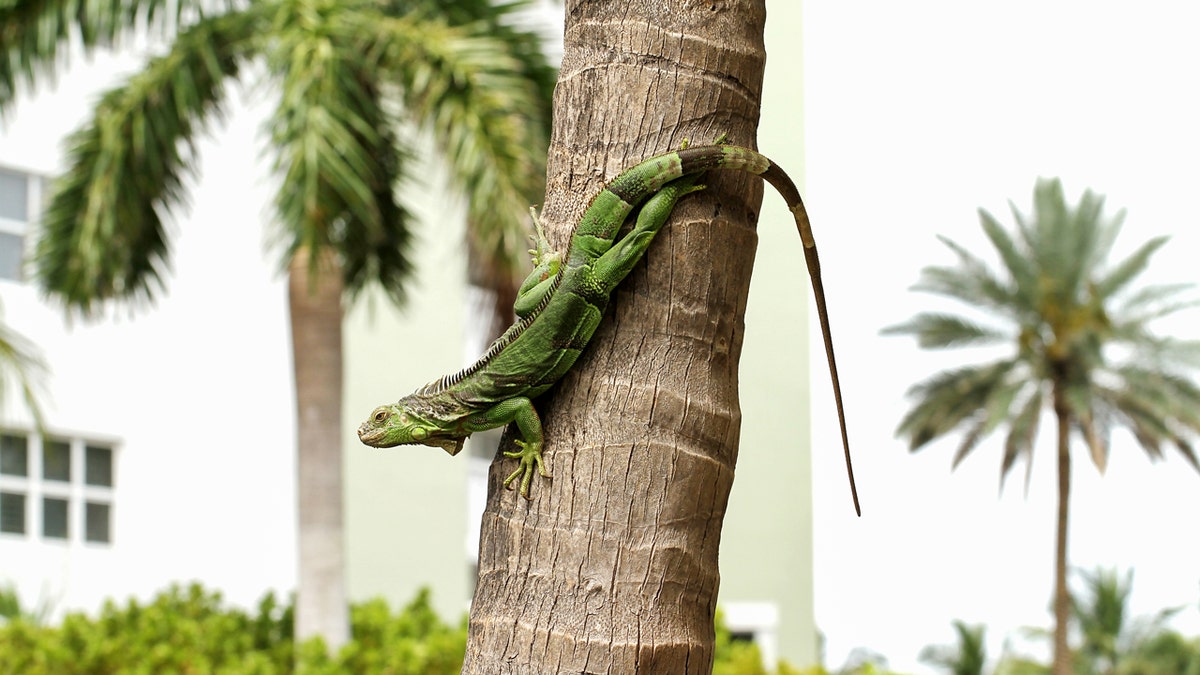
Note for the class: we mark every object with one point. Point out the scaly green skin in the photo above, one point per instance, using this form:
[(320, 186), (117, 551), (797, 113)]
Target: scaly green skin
[(562, 302)]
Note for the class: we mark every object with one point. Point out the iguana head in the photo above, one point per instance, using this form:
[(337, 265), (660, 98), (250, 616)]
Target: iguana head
[(399, 424)]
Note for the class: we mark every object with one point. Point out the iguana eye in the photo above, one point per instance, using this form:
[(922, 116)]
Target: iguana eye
[(380, 415)]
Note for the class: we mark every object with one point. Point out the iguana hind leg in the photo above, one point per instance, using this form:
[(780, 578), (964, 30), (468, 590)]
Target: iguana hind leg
[(615, 264)]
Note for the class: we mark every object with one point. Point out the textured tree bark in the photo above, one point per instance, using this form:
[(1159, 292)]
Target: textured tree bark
[(612, 567), (316, 318)]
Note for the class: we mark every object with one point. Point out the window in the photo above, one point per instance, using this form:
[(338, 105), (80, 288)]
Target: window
[(14, 455), (99, 466), (20, 193), (14, 195), (44, 494), (54, 518), (56, 460), (96, 522), (12, 513)]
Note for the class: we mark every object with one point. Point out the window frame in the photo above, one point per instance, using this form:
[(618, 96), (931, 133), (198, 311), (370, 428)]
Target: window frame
[(76, 492)]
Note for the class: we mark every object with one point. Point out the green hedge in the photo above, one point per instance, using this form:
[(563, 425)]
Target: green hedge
[(189, 631)]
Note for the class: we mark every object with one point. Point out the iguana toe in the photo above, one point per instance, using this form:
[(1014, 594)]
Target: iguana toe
[(530, 456)]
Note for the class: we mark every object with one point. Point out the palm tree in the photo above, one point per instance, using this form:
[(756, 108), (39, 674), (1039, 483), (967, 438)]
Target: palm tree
[(1100, 614), (1082, 347), (346, 72), (965, 658)]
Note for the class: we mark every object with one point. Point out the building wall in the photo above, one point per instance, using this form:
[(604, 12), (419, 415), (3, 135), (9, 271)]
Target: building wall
[(193, 394), (766, 548)]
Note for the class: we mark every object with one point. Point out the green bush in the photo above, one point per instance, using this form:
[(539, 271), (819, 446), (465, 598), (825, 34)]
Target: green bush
[(189, 631)]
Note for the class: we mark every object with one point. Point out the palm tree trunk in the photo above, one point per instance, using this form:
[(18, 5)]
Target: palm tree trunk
[(612, 568), (315, 305), (1062, 599)]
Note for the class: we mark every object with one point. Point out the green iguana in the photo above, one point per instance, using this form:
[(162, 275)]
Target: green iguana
[(561, 303)]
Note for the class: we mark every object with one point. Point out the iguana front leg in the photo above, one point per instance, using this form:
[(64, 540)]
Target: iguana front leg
[(521, 411)]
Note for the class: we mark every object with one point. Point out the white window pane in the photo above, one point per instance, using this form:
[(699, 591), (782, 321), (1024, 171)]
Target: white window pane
[(14, 196), (12, 251)]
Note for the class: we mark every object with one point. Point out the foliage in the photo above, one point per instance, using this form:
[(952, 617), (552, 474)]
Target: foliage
[(347, 74), (11, 608), (1165, 653), (21, 367), (965, 658), (1081, 347), (1109, 642), (1079, 333), (190, 630)]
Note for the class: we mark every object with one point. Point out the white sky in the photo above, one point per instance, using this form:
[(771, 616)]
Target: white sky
[(916, 114)]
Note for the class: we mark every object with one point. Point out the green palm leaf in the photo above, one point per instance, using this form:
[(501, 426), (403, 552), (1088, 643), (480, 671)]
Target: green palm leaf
[(937, 331), (22, 369), (103, 235), (36, 35)]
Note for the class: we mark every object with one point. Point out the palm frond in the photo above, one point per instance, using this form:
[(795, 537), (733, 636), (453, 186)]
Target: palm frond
[(1021, 433), (336, 152), (994, 412), (1085, 240), (950, 399), (967, 657), (22, 368), (938, 331), (1101, 616), (470, 91), (1127, 269), (1016, 262), (103, 235), (1158, 407), (36, 35), (972, 282)]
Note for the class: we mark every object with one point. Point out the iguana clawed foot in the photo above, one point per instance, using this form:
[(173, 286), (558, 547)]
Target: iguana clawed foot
[(530, 455)]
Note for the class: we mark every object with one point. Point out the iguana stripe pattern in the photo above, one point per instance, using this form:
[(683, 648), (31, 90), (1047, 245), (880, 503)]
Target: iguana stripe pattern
[(561, 303)]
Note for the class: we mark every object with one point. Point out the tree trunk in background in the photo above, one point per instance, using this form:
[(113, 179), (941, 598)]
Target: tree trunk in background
[(612, 567), (316, 317), (1062, 598)]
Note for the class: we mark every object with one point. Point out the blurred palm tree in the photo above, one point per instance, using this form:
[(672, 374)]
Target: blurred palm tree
[(1100, 614), (347, 74), (1082, 347), (967, 657)]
